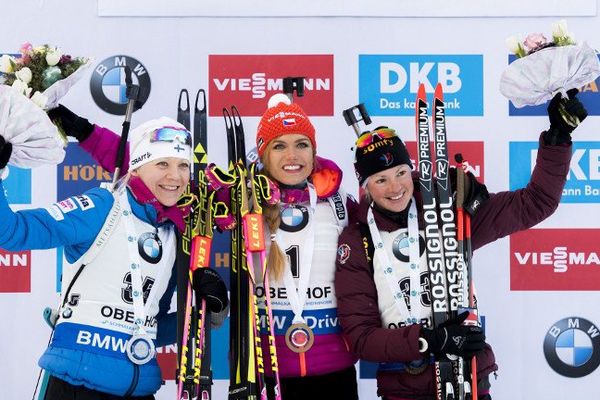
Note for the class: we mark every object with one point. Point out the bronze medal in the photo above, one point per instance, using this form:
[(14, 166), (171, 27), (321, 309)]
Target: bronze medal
[(299, 338)]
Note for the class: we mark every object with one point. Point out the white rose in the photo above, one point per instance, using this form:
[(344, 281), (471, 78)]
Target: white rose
[(513, 44), (19, 86), (559, 29), (53, 56), (24, 74), (6, 64), (39, 99)]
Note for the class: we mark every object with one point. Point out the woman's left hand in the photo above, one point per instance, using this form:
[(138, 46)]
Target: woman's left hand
[(210, 286)]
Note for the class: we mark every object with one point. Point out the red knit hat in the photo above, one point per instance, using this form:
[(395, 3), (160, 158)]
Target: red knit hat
[(282, 118)]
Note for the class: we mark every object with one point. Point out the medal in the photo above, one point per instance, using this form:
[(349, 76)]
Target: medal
[(416, 367), (299, 338), (140, 348)]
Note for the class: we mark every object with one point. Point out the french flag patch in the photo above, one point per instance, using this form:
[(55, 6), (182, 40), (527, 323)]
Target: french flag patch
[(289, 122)]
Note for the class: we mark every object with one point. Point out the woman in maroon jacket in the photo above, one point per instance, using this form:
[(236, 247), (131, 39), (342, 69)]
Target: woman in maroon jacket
[(385, 312)]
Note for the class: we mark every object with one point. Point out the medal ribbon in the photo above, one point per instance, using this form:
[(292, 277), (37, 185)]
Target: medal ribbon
[(388, 271)]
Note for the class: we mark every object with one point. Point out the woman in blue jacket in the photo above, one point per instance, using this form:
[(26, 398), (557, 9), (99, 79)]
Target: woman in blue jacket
[(121, 247)]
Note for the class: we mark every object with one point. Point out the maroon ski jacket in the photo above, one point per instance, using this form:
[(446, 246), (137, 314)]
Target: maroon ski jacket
[(504, 213)]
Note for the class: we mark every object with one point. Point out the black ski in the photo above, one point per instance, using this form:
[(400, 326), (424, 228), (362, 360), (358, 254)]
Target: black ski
[(242, 366), (444, 376)]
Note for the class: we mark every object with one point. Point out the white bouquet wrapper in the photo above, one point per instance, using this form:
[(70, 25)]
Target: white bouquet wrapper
[(34, 137), (58, 89), (536, 78)]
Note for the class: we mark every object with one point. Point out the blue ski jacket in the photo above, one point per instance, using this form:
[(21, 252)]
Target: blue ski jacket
[(88, 347)]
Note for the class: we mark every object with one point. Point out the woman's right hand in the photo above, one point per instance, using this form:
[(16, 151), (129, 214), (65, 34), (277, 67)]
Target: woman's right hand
[(5, 152)]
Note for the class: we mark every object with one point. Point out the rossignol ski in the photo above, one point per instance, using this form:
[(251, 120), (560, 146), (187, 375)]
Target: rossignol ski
[(444, 375), (445, 241)]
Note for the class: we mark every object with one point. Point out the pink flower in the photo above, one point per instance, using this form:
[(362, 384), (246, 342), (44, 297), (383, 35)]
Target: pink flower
[(26, 48), (65, 59), (534, 41)]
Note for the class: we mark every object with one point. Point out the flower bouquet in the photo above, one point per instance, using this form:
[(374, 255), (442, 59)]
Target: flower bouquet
[(29, 85), (544, 68)]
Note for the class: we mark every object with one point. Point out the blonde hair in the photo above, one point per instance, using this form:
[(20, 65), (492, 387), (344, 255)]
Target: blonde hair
[(272, 217)]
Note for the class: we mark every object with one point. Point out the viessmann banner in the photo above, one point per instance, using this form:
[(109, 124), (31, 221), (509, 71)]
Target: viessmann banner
[(248, 81), (555, 259)]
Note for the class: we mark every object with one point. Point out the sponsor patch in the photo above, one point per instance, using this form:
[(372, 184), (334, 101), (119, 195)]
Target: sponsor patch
[(55, 212), (66, 205), (343, 253), (85, 203)]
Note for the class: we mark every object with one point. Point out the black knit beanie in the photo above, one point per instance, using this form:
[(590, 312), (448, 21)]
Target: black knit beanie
[(382, 151)]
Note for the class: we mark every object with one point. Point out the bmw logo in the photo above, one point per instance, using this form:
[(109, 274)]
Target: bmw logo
[(400, 247), (572, 347), (108, 85), (150, 247), (294, 218)]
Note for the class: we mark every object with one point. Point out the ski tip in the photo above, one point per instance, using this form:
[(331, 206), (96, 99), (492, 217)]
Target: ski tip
[(421, 95), (439, 92)]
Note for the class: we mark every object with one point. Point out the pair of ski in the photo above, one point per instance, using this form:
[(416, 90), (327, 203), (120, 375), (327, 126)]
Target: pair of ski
[(248, 195), (247, 375), (194, 376), (447, 238)]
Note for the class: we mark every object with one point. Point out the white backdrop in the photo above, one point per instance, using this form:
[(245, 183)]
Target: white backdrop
[(176, 51)]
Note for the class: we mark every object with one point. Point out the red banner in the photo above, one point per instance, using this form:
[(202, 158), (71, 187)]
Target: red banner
[(248, 81), (555, 259), (15, 272)]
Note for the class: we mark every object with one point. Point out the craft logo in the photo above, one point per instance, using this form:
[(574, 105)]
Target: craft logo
[(471, 151), (15, 272), (388, 84), (583, 180), (555, 259), (78, 172), (109, 87), (17, 185), (572, 347), (588, 94), (248, 81)]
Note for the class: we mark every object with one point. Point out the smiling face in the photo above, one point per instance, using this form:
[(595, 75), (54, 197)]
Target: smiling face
[(166, 178), (391, 189), (289, 159)]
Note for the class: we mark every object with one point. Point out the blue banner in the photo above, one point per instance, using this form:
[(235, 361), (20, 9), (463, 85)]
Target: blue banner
[(583, 181), (388, 84)]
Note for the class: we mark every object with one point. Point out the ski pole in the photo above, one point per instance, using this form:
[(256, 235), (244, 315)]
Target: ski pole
[(464, 240), (132, 92)]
